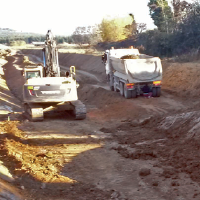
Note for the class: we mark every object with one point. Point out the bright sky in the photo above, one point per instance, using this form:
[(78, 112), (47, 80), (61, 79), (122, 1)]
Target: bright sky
[(63, 16)]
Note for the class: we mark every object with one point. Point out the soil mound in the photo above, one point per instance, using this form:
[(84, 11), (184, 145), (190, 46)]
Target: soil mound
[(98, 96), (181, 125), (182, 78)]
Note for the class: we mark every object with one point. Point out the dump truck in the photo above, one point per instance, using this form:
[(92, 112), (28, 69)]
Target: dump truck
[(131, 73), (45, 90)]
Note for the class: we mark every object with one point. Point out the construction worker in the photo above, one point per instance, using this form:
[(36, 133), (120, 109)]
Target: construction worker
[(104, 58)]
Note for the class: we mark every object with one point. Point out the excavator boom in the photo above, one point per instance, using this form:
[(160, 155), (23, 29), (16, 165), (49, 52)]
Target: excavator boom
[(50, 57)]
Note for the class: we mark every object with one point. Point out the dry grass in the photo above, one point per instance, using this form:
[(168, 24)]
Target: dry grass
[(66, 48), (89, 51)]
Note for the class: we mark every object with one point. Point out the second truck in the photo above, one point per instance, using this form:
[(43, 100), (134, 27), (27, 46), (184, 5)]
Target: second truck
[(44, 89), (132, 73)]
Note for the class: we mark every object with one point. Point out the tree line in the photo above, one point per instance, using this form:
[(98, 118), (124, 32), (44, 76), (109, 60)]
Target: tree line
[(28, 39), (109, 30), (178, 29), (177, 32)]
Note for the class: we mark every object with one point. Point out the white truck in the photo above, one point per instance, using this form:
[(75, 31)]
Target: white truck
[(131, 73)]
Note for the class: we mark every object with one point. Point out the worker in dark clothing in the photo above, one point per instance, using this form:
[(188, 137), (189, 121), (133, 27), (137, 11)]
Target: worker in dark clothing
[(146, 89), (67, 74), (104, 58)]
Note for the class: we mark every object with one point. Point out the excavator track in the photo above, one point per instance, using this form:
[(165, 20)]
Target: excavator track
[(33, 112), (79, 110)]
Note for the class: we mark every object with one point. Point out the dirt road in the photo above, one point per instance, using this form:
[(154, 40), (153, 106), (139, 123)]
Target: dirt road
[(137, 149)]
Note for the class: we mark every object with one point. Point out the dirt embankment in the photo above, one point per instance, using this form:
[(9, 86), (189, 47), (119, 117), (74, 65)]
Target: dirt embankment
[(8, 103), (183, 79), (89, 63), (12, 71)]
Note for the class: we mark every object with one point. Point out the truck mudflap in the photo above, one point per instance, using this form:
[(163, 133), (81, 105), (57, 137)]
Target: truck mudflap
[(79, 109)]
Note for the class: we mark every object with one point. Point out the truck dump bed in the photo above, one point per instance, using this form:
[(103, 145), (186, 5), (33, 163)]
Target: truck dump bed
[(136, 67)]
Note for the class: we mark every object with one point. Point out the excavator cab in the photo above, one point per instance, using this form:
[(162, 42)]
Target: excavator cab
[(33, 72)]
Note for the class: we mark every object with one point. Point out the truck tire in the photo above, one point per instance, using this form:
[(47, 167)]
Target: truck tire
[(154, 92), (115, 88), (108, 78), (121, 85), (111, 85), (158, 91), (134, 93), (127, 93)]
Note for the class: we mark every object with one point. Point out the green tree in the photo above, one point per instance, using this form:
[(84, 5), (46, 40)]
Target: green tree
[(161, 14), (86, 35), (131, 29), (180, 8), (30, 39), (81, 35), (69, 39), (116, 29)]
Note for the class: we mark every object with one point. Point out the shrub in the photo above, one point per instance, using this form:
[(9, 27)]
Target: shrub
[(17, 43)]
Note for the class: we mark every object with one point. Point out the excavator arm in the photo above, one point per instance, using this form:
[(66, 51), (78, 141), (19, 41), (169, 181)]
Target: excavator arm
[(50, 57)]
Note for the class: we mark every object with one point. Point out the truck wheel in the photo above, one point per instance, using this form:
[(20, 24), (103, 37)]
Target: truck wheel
[(108, 78), (154, 92), (115, 87), (158, 91), (127, 93), (134, 93), (111, 85), (121, 85)]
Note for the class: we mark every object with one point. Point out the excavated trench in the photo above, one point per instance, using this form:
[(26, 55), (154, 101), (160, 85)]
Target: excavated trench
[(126, 149)]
